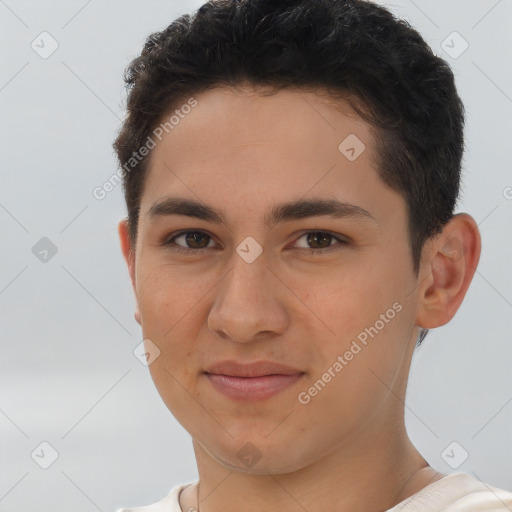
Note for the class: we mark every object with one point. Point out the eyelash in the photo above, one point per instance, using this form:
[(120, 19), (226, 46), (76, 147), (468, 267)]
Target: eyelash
[(169, 243)]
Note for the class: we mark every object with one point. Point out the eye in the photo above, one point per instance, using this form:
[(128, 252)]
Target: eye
[(321, 241), (197, 240)]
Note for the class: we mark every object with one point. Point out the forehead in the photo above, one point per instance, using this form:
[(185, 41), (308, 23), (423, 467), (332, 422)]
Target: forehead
[(226, 118), (247, 149)]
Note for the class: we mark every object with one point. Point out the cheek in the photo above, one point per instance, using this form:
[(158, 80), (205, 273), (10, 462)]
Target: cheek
[(166, 295), (167, 309), (369, 321), (346, 301), (355, 379), (168, 304)]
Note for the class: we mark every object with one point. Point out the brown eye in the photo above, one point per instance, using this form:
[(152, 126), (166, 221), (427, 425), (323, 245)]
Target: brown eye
[(319, 238), (191, 241), (320, 241), (196, 239)]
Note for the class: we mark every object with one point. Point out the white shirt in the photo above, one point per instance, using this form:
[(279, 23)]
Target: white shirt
[(457, 492)]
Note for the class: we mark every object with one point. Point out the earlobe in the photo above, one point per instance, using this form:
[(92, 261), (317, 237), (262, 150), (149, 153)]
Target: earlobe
[(452, 264)]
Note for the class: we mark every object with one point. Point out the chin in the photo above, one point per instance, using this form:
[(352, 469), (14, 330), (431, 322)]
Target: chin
[(260, 457)]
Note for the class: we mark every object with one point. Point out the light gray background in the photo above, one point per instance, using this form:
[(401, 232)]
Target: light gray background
[(68, 375)]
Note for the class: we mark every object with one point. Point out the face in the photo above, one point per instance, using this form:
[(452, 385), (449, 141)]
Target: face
[(325, 287)]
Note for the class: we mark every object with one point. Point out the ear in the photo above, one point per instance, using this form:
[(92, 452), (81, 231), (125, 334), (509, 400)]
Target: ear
[(450, 261), (129, 257)]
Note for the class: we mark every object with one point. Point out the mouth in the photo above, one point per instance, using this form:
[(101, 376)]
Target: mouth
[(255, 381)]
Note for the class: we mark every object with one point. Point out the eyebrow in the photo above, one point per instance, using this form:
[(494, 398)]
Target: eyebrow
[(282, 212)]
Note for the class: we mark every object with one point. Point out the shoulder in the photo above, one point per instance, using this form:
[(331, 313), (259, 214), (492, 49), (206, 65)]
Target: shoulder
[(169, 503), (457, 492)]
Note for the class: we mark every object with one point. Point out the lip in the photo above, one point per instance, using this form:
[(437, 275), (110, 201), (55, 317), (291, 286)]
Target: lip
[(257, 369), (254, 381)]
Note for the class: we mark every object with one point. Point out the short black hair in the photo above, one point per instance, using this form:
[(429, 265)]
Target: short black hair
[(351, 49)]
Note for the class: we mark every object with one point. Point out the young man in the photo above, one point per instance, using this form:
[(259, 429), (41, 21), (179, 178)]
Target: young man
[(291, 170)]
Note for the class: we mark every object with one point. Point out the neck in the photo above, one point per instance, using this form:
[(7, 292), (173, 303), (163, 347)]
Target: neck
[(374, 472)]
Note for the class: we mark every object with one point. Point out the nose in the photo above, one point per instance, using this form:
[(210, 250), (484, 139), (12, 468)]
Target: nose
[(249, 303)]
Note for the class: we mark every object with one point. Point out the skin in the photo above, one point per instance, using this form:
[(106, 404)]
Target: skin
[(347, 449)]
